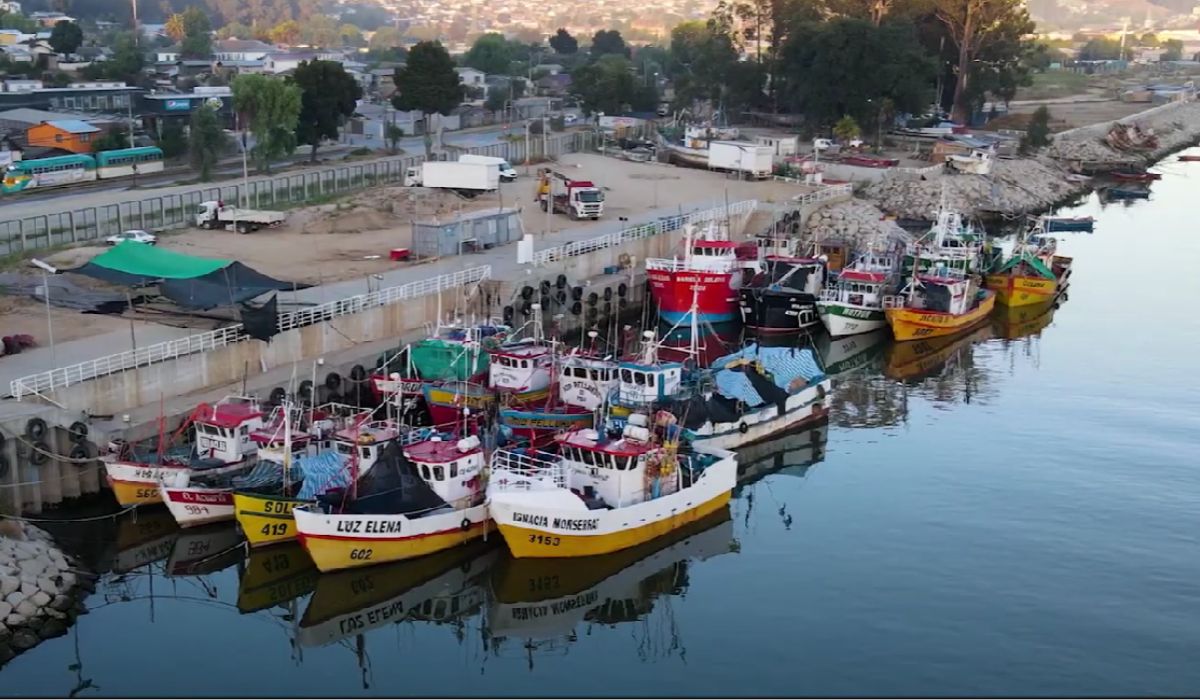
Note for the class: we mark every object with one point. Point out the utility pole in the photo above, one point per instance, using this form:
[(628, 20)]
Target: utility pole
[(137, 33), (129, 109)]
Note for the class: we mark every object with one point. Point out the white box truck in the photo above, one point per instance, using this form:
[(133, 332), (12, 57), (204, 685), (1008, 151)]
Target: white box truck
[(754, 160), (507, 172), (215, 214), (468, 179)]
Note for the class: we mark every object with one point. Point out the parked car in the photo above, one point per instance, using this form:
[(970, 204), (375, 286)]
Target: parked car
[(135, 235), (570, 119)]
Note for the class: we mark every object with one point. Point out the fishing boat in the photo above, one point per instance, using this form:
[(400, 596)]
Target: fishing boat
[(1127, 193), (205, 550), (543, 599), (951, 242), (602, 494), (353, 602), (448, 402), (263, 503), (1068, 223), (706, 277), (783, 297), (757, 392), (790, 453), (453, 352), (585, 379), (941, 301), (854, 302), (522, 371), (222, 447), (1134, 176), (426, 497), (275, 576), (1033, 274)]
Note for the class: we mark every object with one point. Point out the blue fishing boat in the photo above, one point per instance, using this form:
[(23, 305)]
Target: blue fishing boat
[(1127, 193), (1069, 223)]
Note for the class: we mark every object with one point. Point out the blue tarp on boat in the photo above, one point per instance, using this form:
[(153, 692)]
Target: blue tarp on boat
[(322, 472), (781, 365)]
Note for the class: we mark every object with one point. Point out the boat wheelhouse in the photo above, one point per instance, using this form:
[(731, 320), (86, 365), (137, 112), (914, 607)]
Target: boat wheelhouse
[(601, 495), (854, 302), (782, 298), (223, 429), (952, 242), (586, 382), (944, 301), (1033, 274), (705, 278)]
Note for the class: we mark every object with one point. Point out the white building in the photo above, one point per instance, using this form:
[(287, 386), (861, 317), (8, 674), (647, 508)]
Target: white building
[(241, 50), (471, 77)]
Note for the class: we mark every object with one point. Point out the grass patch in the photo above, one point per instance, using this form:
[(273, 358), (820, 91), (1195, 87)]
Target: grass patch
[(1057, 83)]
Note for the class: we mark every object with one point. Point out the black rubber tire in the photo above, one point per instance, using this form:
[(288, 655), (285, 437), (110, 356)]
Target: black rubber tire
[(527, 292), (593, 298), (78, 452), (35, 429), (544, 287), (38, 453), (576, 308), (607, 308), (561, 296), (78, 431), (545, 302), (743, 428), (527, 309), (304, 391), (577, 293), (592, 313), (561, 282), (608, 294), (358, 374), (622, 303), (3, 440), (277, 396), (509, 313), (325, 395), (333, 381), (465, 525), (4, 467), (622, 289)]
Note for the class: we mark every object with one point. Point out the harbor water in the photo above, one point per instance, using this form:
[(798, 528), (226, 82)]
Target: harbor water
[(1013, 512)]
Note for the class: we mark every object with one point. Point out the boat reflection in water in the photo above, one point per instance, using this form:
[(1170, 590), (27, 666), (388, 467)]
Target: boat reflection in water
[(790, 453), (205, 550), (713, 341), (1024, 321), (862, 397), (920, 359), (144, 538), (852, 353), (444, 587), (274, 576), (542, 601)]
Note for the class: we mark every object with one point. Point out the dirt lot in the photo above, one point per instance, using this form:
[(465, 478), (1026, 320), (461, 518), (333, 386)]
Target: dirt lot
[(1069, 114)]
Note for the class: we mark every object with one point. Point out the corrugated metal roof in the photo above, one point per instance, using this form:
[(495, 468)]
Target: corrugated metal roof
[(73, 126)]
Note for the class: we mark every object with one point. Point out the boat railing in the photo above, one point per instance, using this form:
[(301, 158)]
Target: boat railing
[(831, 294), (526, 470), (895, 302), (695, 264)]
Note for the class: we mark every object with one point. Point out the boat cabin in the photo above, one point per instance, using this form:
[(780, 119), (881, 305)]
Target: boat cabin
[(608, 473), (223, 430), (857, 288), (800, 274), (835, 253), (271, 439), (366, 440), (777, 246), (586, 382), (451, 468), (944, 291), (641, 383), (520, 367)]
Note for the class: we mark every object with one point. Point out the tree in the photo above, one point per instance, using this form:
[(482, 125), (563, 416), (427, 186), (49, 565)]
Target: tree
[(1174, 50), (174, 27), (328, 96), (206, 141), (1037, 134), (393, 134), (606, 85), (286, 33), (110, 141), (846, 129), (847, 66), (235, 31), (125, 63), (66, 37), (385, 38), (1101, 49), (973, 26), (491, 54), (427, 83), (173, 141), (320, 30), (14, 20), (563, 43), (270, 108), (197, 30), (608, 41), (701, 58), (351, 36)]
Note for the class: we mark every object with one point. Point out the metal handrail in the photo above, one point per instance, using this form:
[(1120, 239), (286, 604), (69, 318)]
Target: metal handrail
[(511, 470), (221, 337)]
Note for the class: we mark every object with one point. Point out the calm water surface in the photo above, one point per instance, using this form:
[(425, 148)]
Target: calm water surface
[(989, 516)]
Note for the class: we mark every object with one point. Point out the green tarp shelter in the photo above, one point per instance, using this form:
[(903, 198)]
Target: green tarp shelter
[(188, 280), (1034, 264)]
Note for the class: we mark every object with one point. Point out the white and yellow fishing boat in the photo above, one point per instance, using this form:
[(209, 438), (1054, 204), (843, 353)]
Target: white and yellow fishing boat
[(941, 302), (424, 498), (602, 495)]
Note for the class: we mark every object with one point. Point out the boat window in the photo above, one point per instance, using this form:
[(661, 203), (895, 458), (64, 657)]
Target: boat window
[(425, 472), (245, 430), (626, 376), (344, 449), (439, 473), (639, 378), (524, 364), (650, 379), (427, 607), (440, 609), (453, 469), (364, 452)]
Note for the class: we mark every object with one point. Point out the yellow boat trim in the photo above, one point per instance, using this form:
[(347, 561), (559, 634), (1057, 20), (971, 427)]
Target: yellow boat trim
[(266, 520), (914, 324), (331, 553), (135, 493), (1021, 290), (531, 542)]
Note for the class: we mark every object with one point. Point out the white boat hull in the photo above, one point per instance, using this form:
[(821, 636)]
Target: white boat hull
[(192, 506), (808, 405), (857, 320)]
